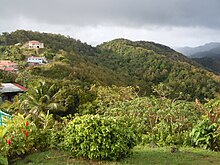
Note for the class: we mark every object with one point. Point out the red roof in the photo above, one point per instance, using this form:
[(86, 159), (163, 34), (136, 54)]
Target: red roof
[(7, 63), (9, 69), (34, 42)]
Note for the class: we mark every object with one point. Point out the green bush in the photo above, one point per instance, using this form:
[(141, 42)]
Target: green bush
[(160, 120), (102, 138), (43, 131), (58, 132), (17, 136), (206, 135), (21, 136)]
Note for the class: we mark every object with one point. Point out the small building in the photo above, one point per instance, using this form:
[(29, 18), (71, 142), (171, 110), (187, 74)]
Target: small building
[(8, 65), (18, 44), (34, 44), (9, 90), (36, 60)]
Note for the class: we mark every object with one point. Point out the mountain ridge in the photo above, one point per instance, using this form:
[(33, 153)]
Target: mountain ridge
[(189, 51)]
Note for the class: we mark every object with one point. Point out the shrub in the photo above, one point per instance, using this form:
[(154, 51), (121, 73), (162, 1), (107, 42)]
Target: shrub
[(205, 134), (42, 133), (161, 120), (17, 136), (102, 138), (58, 132), (21, 136)]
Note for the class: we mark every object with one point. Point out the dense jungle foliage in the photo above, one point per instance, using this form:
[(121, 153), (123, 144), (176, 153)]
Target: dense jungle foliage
[(91, 101)]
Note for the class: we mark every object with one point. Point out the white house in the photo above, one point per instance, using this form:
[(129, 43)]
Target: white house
[(37, 60), (35, 44)]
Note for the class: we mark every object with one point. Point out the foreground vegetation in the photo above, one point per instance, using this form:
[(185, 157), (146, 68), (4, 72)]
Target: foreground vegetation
[(109, 127), (99, 103)]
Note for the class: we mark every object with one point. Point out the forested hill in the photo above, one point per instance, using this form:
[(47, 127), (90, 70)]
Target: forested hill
[(52, 41), (152, 47), (153, 68), (157, 68)]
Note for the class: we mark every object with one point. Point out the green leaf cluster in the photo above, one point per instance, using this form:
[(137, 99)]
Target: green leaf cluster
[(206, 135), (98, 137), (159, 120)]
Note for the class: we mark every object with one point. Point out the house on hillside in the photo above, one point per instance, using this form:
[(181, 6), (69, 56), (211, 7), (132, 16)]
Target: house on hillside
[(8, 65), (36, 60), (34, 44), (9, 90)]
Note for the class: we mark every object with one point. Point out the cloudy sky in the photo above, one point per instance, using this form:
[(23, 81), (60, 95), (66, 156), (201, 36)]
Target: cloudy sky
[(171, 22)]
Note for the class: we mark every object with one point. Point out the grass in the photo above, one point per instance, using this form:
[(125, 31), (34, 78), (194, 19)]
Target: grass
[(146, 155), (142, 155)]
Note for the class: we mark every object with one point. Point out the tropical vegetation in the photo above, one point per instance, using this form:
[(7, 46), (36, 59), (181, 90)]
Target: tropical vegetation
[(100, 102)]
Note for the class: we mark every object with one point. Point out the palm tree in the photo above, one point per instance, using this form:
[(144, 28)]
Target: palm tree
[(43, 97), (39, 99)]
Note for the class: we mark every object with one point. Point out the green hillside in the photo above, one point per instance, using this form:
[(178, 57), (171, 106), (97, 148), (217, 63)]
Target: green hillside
[(153, 68)]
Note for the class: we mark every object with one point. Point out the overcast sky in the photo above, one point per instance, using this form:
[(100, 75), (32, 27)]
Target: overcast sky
[(171, 22)]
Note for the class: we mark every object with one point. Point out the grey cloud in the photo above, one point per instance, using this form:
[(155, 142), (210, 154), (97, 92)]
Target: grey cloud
[(115, 12)]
